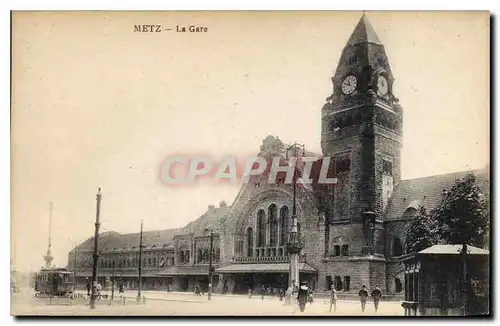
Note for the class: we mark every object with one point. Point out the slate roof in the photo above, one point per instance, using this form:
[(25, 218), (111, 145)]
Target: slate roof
[(363, 33), (268, 268), (214, 218), (109, 241), (427, 191), (452, 250)]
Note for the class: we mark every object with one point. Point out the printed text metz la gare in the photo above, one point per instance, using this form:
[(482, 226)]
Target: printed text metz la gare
[(158, 28)]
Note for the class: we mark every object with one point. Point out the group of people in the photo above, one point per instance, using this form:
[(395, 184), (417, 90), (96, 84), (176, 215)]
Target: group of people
[(304, 295), (376, 295), (121, 289)]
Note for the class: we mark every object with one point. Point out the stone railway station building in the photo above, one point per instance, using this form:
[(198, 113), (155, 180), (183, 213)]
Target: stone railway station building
[(362, 130)]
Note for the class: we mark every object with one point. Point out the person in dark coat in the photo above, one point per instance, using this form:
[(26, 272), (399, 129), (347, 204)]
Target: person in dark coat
[(363, 295), (376, 295), (88, 285), (302, 296), (262, 291)]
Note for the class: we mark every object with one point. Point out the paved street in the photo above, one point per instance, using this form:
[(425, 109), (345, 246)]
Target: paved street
[(187, 304)]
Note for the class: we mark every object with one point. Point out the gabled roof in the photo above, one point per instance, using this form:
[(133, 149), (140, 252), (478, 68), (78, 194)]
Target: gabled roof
[(213, 218), (363, 33), (427, 191), (450, 249), (113, 240)]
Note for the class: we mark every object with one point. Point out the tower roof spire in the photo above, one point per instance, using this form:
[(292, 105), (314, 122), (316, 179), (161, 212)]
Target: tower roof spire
[(363, 33)]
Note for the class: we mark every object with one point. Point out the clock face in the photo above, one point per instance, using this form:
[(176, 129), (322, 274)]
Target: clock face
[(382, 85), (349, 84)]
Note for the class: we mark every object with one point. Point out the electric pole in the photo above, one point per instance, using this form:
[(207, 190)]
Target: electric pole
[(74, 268), (93, 296), (294, 246), (140, 266), (210, 258)]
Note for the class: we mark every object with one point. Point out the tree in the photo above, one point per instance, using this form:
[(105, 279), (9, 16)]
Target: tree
[(462, 215), (420, 233)]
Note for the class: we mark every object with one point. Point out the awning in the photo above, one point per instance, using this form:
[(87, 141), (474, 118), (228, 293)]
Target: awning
[(452, 250), (264, 268), (184, 270)]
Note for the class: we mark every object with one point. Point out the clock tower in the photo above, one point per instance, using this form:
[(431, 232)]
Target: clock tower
[(362, 132)]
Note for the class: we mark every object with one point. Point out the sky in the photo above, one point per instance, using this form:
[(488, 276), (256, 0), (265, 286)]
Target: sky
[(95, 104)]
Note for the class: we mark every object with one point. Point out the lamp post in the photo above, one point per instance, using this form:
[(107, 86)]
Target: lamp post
[(140, 267), (113, 284), (463, 254), (294, 246), (210, 258), (93, 296), (74, 270)]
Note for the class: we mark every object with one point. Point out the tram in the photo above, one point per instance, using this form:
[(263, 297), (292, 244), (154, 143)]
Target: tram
[(54, 281)]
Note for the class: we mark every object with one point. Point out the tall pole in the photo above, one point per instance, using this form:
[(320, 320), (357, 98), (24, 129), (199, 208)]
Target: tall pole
[(93, 296), (48, 256), (113, 284), (140, 266), (294, 246), (74, 267), (210, 265), (465, 285)]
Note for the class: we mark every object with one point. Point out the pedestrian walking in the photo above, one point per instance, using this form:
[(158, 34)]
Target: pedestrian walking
[(302, 296), (310, 296), (363, 295), (98, 290), (249, 293), (262, 291), (376, 295), (121, 292), (281, 294), (88, 285), (333, 298)]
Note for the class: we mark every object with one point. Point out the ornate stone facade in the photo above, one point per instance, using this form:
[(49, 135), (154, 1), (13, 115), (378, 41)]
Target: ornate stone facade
[(352, 232)]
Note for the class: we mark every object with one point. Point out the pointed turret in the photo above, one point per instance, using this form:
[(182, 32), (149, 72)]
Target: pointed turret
[(48, 256), (363, 70), (363, 33)]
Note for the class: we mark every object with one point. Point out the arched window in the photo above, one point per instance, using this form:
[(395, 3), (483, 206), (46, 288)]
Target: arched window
[(397, 247), (181, 257), (249, 242), (205, 255), (283, 225), (273, 224), (261, 228), (398, 286), (199, 258), (217, 254)]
